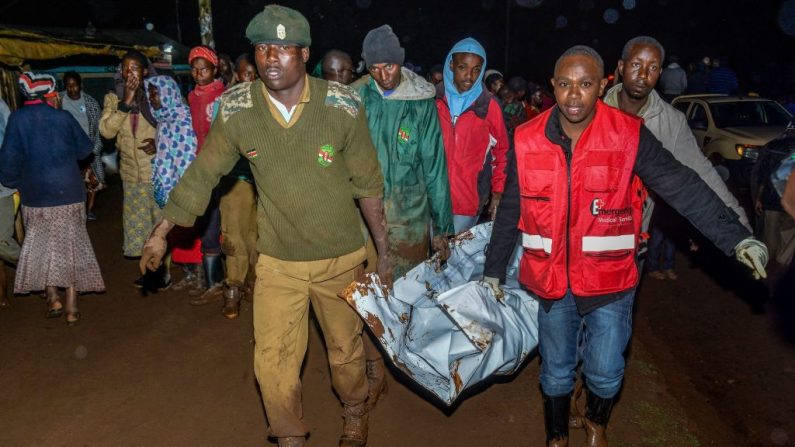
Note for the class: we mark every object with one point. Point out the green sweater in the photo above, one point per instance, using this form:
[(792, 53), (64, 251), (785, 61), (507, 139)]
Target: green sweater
[(307, 175)]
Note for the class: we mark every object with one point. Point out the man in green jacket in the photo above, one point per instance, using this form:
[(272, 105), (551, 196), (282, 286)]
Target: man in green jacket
[(401, 114), (310, 153)]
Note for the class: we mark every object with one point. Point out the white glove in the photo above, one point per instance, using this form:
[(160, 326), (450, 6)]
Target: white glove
[(753, 253), (494, 285)]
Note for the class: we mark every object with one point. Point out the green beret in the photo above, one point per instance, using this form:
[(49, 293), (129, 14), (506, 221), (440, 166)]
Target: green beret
[(281, 25)]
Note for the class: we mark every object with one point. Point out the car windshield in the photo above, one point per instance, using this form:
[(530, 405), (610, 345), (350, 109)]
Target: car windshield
[(748, 113)]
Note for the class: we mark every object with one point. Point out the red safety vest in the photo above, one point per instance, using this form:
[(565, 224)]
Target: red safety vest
[(580, 220)]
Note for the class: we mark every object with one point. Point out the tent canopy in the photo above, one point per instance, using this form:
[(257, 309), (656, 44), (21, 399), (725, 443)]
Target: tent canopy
[(19, 45)]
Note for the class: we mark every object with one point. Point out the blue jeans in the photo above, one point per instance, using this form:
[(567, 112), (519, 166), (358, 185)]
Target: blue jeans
[(598, 338), (660, 244), (463, 223)]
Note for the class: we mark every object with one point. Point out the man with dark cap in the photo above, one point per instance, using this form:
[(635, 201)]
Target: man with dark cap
[(337, 66), (579, 212), (311, 155), (404, 127)]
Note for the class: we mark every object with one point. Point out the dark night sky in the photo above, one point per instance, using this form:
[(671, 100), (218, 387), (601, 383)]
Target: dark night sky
[(746, 31)]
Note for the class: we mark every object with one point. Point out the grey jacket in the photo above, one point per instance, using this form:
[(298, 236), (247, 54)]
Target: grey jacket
[(670, 127), (673, 80)]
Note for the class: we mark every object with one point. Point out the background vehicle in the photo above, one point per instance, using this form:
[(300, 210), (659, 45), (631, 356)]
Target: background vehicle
[(732, 129)]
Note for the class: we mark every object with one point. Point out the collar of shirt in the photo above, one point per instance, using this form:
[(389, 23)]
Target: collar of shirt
[(286, 118)]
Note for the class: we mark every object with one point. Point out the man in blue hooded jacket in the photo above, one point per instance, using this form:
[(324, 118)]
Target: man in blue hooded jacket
[(475, 137)]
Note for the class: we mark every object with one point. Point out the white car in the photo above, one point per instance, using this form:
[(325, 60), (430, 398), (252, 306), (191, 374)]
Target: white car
[(732, 129)]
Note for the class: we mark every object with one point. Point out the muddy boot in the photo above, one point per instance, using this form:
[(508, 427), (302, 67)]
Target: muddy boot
[(354, 428), (556, 419), (575, 415), (232, 295), (376, 381), (214, 277), (597, 412), (292, 441)]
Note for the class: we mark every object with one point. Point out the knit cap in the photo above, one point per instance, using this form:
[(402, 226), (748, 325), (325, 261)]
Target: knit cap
[(382, 46)]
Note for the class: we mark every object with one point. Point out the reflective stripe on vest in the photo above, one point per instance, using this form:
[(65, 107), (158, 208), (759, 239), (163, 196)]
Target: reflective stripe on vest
[(537, 242), (595, 244)]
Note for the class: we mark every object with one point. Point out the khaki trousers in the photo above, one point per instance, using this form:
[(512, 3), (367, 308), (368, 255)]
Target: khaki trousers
[(282, 296), (238, 208)]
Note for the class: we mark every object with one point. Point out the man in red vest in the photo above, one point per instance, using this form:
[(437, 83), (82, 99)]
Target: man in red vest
[(574, 191)]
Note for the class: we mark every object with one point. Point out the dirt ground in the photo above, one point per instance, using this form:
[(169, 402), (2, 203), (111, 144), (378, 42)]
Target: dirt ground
[(706, 367)]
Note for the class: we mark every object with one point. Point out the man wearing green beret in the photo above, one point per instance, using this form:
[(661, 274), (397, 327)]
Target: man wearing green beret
[(311, 155)]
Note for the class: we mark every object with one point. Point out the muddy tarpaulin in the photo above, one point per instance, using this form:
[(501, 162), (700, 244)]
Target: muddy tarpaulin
[(443, 327)]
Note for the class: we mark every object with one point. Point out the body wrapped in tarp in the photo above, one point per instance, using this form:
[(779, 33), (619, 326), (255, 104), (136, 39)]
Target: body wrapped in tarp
[(443, 327)]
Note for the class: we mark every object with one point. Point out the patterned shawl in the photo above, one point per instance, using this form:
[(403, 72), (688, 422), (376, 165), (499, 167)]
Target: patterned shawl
[(176, 140)]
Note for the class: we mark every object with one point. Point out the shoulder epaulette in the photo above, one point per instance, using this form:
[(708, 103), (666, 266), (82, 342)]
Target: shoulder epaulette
[(236, 99), (343, 97)]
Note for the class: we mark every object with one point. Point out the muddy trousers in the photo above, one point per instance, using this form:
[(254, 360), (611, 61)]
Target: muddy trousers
[(239, 230), (282, 296)]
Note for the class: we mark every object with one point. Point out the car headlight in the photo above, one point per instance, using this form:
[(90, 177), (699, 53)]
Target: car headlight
[(747, 151)]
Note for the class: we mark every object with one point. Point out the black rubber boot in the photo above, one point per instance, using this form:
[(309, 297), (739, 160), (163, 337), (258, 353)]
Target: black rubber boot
[(556, 418), (214, 276), (597, 413), (213, 269)]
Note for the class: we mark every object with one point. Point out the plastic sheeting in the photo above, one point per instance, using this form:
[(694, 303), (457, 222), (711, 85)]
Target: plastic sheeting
[(443, 327)]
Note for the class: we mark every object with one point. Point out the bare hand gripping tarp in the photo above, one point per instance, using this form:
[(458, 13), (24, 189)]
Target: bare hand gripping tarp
[(443, 327)]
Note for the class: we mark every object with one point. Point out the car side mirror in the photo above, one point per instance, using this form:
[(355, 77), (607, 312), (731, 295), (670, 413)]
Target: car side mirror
[(698, 125)]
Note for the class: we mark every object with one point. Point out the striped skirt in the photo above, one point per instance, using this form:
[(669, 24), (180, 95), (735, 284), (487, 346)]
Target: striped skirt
[(57, 251)]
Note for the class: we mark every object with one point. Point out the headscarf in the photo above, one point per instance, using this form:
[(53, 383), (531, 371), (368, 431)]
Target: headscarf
[(459, 102), (203, 52), (141, 104), (36, 85), (175, 142)]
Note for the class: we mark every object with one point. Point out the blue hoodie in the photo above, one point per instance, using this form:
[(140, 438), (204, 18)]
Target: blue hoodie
[(459, 102)]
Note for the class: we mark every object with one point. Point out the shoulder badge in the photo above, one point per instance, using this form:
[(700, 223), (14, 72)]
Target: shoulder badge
[(236, 99), (343, 97)]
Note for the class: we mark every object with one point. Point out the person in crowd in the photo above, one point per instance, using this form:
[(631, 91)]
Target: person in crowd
[(85, 109), (722, 79), (186, 243), (337, 66), (9, 248), (56, 252), (402, 117), (579, 212), (436, 76), (673, 80), (375, 369), (475, 137), (226, 71), (698, 78), (513, 112), (127, 117), (311, 155), (639, 69), (519, 85), (245, 70), (231, 215), (778, 231), (494, 82), (534, 100), (175, 140)]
